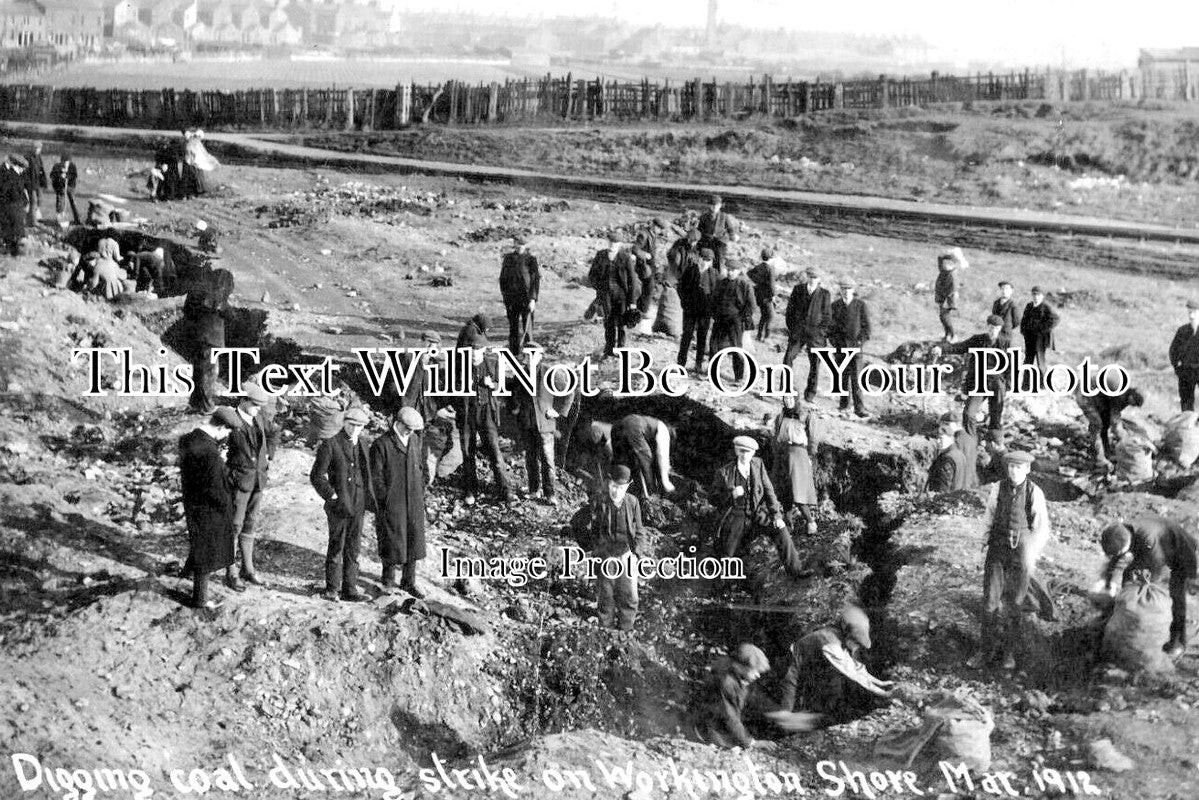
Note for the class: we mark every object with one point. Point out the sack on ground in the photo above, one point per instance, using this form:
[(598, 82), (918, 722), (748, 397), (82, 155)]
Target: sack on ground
[(670, 313), (965, 732), (1139, 627), (1181, 439), (645, 326), (1134, 460)]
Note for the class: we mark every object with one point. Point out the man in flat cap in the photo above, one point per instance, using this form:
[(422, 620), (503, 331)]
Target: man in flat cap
[(764, 280), (1037, 325), (1184, 357), (341, 476), (1161, 547), (697, 290), (851, 329), (1017, 532), (64, 176), (808, 317), (1104, 411), (1006, 309), (613, 275), (397, 472), (732, 313), (721, 702), (945, 293), (948, 470), (649, 268), (682, 254), (717, 230), (520, 286), (610, 526), (538, 418), (993, 338), (207, 501), (742, 488), (14, 200), (251, 448)]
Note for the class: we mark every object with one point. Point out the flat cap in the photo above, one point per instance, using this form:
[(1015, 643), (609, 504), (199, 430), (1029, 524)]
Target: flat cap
[(1115, 539), (994, 319), (357, 415), (717, 199), (411, 418), (622, 474), (706, 254), (1037, 290), (431, 336), (615, 236), (752, 657), (225, 416), (1192, 305), (1018, 457), (767, 253), (1004, 283), (848, 282), (811, 273), (255, 393), (18, 160), (520, 240), (745, 443)]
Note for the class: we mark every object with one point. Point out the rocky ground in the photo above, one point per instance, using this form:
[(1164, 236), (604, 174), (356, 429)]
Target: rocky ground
[(103, 665)]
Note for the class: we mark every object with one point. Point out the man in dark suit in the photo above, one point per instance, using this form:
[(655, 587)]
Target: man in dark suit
[(613, 274), (1006, 309), (481, 426), (732, 313), (993, 338), (808, 317), (1184, 357), (645, 253), (520, 286), (697, 288), (851, 328), (1037, 324), (538, 420), (207, 501), (717, 230), (63, 177), (948, 470), (763, 277), (35, 181), (681, 255), (251, 448), (341, 476), (397, 470)]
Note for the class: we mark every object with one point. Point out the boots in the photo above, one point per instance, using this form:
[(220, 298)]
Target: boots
[(388, 582), (247, 560), (199, 589), (408, 584), (232, 581)]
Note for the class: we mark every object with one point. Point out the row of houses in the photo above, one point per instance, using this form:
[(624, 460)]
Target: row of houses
[(90, 25)]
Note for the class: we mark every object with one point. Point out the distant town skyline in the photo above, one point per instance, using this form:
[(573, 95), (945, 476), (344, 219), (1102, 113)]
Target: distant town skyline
[(1035, 32)]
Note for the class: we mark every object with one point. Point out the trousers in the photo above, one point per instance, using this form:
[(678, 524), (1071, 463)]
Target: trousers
[(699, 325), (539, 460), (616, 600), (341, 557), (739, 531), (487, 433)]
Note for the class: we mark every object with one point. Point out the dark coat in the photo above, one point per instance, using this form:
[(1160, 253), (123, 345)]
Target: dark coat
[(472, 329), (645, 250), (251, 448), (594, 525), (1160, 546), (1009, 312), (697, 289), (205, 320), (520, 279), (718, 715), (341, 470), (13, 203), (438, 431), (531, 409), (945, 291), (398, 477), (64, 177), (1184, 348), (616, 279), (734, 300), (207, 501), (809, 315), (764, 280), (719, 226), (35, 175), (948, 470), (681, 255), (485, 403), (763, 500), (851, 323), (1037, 325)]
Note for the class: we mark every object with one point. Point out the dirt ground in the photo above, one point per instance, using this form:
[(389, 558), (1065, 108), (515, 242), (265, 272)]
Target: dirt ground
[(102, 665)]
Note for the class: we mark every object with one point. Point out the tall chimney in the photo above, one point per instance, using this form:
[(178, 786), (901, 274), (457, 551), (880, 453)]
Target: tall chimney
[(711, 24)]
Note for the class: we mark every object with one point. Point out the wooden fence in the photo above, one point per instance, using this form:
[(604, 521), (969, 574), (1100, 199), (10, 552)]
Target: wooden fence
[(544, 100)]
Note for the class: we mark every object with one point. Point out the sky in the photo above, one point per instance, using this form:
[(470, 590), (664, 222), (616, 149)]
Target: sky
[(1038, 31)]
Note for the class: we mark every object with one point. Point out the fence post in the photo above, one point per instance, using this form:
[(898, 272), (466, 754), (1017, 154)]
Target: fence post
[(838, 95), (349, 109)]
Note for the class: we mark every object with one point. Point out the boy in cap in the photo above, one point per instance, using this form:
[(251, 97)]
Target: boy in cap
[(744, 490), (613, 275), (697, 291), (717, 230), (763, 278), (207, 502), (341, 476), (945, 293), (1184, 357), (722, 702), (824, 665), (851, 328), (1005, 308), (397, 473), (610, 527), (251, 448), (808, 317), (948, 470), (1037, 325), (520, 286), (1017, 532), (1159, 546), (994, 338)]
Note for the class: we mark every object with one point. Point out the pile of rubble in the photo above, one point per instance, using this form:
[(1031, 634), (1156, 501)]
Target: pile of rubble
[(351, 199)]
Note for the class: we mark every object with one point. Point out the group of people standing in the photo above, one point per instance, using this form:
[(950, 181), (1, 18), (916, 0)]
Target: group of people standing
[(182, 168), (23, 178)]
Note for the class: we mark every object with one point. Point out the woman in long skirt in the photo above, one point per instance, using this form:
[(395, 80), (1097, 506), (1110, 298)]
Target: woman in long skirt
[(795, 443)]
